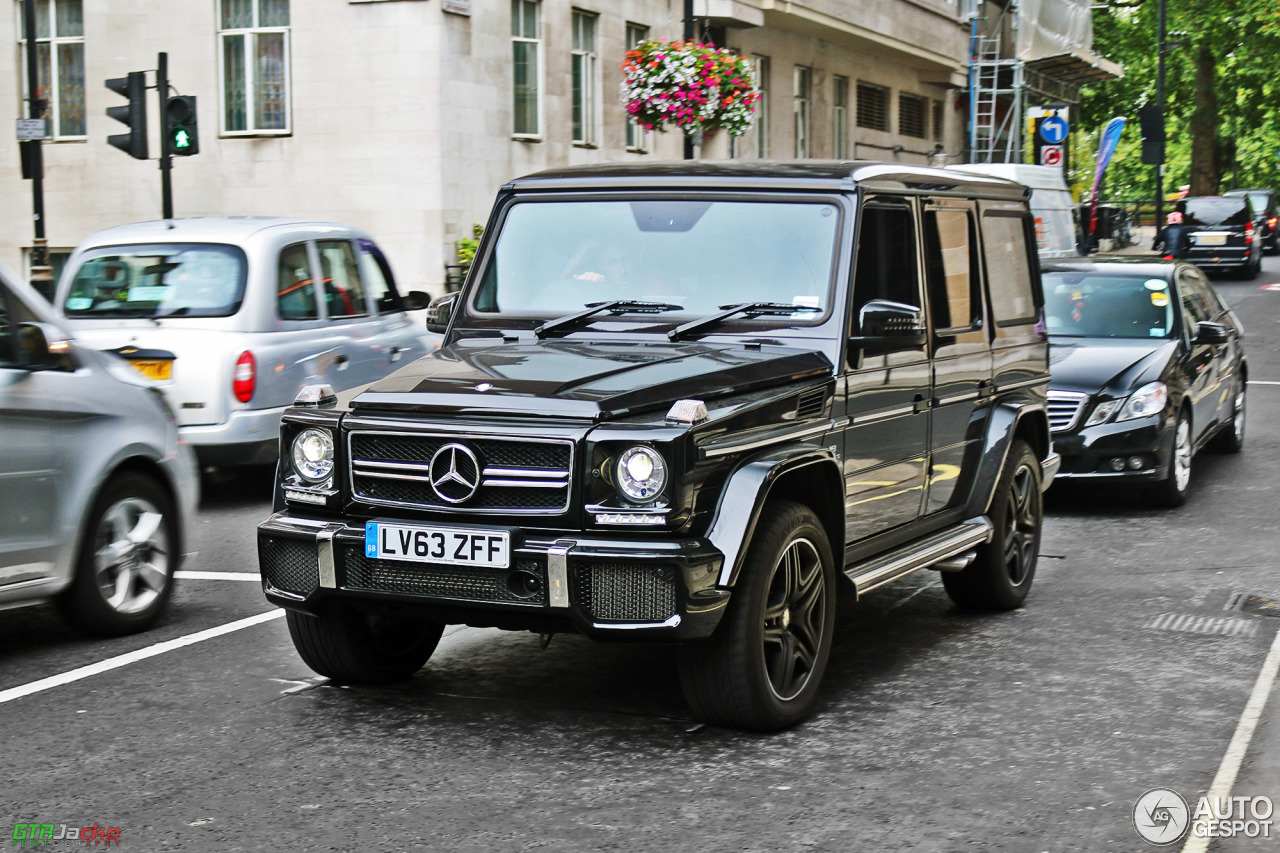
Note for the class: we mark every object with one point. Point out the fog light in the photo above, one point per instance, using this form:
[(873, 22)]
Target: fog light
[(1117, 464), (1137, 463)]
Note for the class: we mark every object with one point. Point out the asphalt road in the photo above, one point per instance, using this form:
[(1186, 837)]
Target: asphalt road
[(1037, 730)]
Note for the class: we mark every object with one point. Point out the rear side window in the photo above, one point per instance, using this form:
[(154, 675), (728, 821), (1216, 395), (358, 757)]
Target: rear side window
[(1215, 211), (160, 280), (295, 286), (343, 287), (951, 270), (1007, 251), (378, 278)]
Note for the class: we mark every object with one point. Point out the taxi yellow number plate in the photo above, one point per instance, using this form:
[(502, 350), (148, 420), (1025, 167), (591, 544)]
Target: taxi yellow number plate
[(154, 369)]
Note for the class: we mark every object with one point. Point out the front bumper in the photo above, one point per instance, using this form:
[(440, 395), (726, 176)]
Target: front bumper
[(605, 587), (1087, 454)]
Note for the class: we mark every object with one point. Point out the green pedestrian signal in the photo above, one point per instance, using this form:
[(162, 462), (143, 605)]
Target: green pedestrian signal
[(181, 136)]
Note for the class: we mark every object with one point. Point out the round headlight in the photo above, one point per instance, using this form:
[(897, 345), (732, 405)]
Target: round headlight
[(641, 473), (313, 455)]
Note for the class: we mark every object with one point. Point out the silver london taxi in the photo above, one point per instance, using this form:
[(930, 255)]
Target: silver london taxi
[(233, 315)]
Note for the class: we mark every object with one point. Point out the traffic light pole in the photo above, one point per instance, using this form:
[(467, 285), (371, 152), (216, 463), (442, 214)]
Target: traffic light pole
[(41, 274), (166, 161)]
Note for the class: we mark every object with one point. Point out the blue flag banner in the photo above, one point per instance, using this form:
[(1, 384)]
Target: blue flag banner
[(1106, 147)]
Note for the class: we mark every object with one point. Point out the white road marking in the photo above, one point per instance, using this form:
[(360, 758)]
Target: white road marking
[(1262, 382), (1230, 766), (219, 576), (134, 656)]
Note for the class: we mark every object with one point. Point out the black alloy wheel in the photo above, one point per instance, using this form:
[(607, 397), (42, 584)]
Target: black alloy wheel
[(762, 668), (1002, 571)]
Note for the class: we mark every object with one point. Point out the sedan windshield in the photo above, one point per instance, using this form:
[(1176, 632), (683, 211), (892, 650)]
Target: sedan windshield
[(1107, 306), (697, 256), (162, 280)]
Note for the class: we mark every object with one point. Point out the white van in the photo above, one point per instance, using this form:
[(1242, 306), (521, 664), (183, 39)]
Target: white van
[(1051, 205)]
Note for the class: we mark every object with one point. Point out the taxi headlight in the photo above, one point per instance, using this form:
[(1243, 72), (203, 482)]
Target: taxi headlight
[(641, 473), (313, 455)]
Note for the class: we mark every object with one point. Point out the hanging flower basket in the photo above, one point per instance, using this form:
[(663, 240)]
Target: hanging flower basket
[(693, 87)]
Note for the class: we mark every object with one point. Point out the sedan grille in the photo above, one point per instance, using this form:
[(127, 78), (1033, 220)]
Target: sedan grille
[(1064, 409), (456, 474)]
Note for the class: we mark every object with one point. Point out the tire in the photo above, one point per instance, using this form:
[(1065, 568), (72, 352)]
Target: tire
[(356, 645), (1001, 574), (1230, 439), (762, 667), (1172, 490), (124, 571)]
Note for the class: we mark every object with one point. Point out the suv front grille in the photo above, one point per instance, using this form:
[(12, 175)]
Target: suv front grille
[(493, 475), (289, 565), (1064, 409), (627, 591)]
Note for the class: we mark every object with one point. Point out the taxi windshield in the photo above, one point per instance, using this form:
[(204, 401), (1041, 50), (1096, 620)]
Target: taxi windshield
[(553, 258), (162, 280), (1107, 306)]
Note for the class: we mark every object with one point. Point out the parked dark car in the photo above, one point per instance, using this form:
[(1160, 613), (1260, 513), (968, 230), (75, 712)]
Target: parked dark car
[(1266, 207), (1214, 232), (1148, 368), (672, 402)]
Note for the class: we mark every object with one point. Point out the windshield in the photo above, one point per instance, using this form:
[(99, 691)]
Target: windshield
[(1107, 306), (162, 280), (554, 258), (1214, 211)]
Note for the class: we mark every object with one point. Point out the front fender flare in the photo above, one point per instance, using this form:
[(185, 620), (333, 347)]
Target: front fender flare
[(1005, 423), (744, 495)]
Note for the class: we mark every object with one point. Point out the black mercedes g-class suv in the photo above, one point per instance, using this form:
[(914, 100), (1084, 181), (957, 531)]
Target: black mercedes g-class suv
[(671, 403)]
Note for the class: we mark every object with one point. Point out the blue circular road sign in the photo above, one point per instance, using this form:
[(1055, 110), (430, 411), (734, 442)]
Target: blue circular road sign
[(1053, 130)]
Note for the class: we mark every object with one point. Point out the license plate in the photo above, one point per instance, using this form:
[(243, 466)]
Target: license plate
[(452, 546), (1211, 239), (154, 369)]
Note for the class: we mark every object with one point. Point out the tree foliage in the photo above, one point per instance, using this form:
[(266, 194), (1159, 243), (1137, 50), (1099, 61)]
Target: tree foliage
[(1221, 133)]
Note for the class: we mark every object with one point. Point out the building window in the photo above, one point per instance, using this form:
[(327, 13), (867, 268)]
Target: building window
[(637, 136), (938, 117), (253, 37), (873, 106), (801, 87), (762, 105), (526, 47), (911, 115), (840, 117), (59, 64), (584, 78)]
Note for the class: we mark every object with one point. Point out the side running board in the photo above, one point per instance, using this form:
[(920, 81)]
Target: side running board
[(933, 549)]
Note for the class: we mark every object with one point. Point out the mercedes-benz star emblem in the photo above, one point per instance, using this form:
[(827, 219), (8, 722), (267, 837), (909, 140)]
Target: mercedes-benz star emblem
[(455, 473)]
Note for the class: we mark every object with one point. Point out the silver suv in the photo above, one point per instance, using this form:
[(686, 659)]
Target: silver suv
[(95, 486), (233, 315)]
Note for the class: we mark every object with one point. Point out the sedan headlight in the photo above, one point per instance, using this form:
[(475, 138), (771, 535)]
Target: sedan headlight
[(313, 455), (1147, 400), (1102, 412), (641, 473)]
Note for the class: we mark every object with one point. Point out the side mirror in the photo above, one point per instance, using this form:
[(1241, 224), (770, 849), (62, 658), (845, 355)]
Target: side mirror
[(415, 300), (42, 347), (441, 312), (1213, 334), (885, 325)]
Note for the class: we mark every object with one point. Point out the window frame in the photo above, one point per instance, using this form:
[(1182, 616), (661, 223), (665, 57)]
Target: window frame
[(761, 67), (586, 99), (917, 117), (802, 112), (839, 117), (52, 93), (249, 37), (521, 7), (877, 119), (637, 138)]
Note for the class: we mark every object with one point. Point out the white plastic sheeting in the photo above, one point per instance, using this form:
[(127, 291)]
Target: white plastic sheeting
[(1053, 27)]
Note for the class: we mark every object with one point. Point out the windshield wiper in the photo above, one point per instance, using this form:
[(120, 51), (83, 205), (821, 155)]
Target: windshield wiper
[(727, 311), (616, 306)]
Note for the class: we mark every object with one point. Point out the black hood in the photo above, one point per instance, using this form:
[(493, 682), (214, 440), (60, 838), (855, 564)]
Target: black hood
[(1088, 365), (590, 380)]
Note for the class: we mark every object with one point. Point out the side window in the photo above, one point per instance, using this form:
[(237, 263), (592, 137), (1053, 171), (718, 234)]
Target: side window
[(8, 355), (1007, 247), (378, 278), (1204, 294), (343, 287), (295, 287), (951, 271), (886, 261), (1193, 308)]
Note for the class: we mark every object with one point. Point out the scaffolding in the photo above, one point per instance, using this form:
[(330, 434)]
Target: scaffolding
[(996, 103)]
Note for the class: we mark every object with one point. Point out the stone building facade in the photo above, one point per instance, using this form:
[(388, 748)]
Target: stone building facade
[(403, 117)]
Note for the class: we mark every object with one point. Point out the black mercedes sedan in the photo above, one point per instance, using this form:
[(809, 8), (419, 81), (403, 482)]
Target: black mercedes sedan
[(1148, 368)]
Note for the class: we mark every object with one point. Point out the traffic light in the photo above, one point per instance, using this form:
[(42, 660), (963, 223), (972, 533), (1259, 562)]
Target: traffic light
[(133, 87), (181, 136), (1151, 121)]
